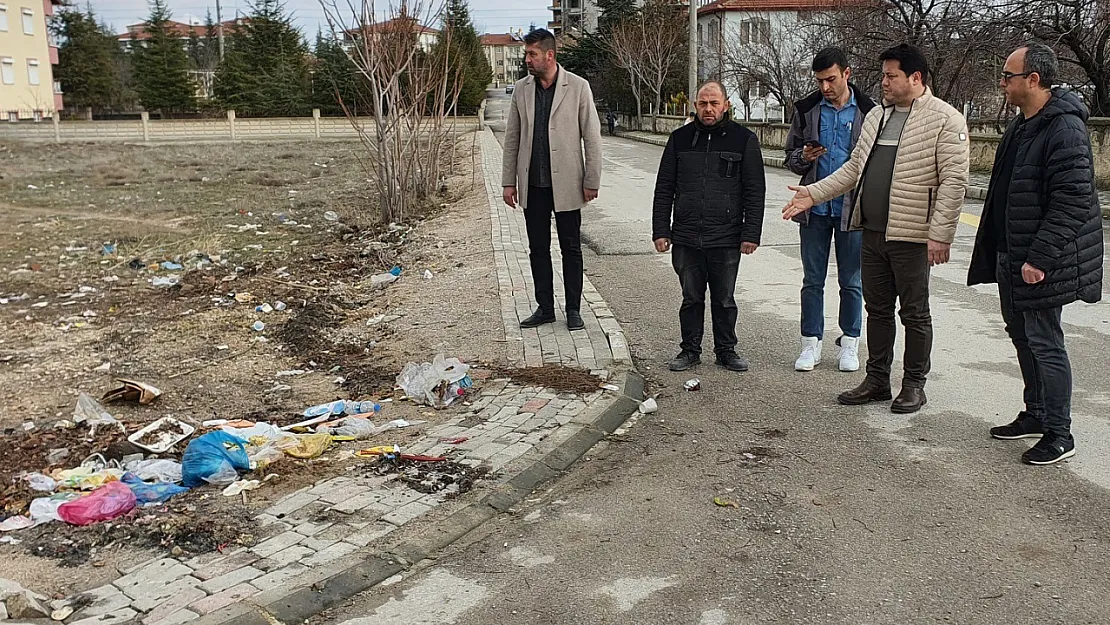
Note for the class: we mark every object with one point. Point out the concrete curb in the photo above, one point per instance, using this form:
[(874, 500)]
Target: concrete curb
[(973, 192), (329, 586)]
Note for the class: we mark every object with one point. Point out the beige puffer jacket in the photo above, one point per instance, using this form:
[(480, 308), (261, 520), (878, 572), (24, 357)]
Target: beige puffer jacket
[(930, 172)]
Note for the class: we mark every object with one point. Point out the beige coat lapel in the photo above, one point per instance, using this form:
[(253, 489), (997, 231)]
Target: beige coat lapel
[(561, 88), (530, 102)]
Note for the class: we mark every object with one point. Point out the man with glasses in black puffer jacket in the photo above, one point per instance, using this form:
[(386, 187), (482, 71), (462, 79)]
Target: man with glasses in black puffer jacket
[(708, 211), (1040, 239)]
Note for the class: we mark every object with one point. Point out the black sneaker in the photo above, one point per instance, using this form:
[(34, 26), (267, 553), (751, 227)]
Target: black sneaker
[(538, 318), (684, 360), (1024, 426), (1050, 450), (732, 361)]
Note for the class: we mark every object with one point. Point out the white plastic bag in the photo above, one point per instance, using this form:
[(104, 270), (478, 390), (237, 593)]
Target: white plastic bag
[(421, 381), (266, 430), (225, 475), (89, 410), (45, 509), (167, 471), (40, 482)]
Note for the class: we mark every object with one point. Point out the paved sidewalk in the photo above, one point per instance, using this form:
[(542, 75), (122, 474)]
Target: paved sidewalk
[(326, 542), (600, 344)]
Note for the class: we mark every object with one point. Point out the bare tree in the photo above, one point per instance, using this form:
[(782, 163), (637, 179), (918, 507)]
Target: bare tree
[(961, 44), (408, 132), (651, 47), (1079, 30), (769, 53)]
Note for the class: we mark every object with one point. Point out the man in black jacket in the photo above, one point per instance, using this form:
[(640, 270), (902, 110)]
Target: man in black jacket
[(711, 175), (1040, 239)]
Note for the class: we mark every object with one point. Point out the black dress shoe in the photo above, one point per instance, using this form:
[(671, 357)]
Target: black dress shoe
[(909, 400), (865, 393), (537, 319), (732, 362), (574, 320), (684, 360)]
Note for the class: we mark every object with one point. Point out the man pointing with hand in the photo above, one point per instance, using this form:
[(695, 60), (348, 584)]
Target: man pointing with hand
[(909, 170)]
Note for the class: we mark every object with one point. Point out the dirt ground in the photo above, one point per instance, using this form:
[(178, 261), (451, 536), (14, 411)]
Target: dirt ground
[(85, 231)]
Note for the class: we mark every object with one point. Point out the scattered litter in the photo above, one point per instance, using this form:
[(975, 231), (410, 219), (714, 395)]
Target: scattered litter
[(280, 306), (214, 458), (244, 298), (438, 383), (648, 406), (725, 503), (341, 406), (165, 281), (264, 308), (40, 482), (28, 426), (428, 274), (610, 387), (103, 504), (241, 486), (61, 614), (14, 523), (258, 326), (158, 492), (103, 368), (692, 385), (160, 436), (133, 390), (171, 266), (383, 278), (380, 450), (159, 470), (108, 249), (10, 540), (330, 215), (90, 411), (308, 446), (136, 264), (289, 373), (45, 509), (453, 440)]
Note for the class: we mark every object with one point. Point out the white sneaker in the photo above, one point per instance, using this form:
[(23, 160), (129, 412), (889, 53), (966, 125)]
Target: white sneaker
[(811, 354), (849, 354)]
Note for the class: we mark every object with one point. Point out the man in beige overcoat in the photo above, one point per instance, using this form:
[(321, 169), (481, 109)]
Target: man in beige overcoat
[(552, 121)]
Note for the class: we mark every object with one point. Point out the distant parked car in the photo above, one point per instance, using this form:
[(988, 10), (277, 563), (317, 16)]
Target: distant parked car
[(509, 89)]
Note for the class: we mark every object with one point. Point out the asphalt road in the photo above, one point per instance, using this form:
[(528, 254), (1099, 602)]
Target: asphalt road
[(843, 515)]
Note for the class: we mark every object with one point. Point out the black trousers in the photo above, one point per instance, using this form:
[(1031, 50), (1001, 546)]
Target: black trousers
[(896, 271), (716, 268), (537, 221), (1038, 337)]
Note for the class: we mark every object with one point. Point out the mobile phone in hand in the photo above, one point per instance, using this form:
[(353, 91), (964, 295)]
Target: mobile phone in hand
[(814, 145)]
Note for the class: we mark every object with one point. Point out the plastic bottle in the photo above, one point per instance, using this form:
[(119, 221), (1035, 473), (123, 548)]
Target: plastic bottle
[(333, 408), (361, 407)]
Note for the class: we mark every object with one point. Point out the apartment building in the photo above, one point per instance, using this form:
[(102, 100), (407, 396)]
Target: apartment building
[(27, 56), (505, 53)]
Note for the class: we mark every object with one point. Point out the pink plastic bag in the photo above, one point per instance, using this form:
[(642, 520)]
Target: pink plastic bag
[(103, 504)]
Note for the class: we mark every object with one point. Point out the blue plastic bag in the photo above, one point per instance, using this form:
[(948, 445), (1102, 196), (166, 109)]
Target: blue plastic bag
[(157, 492), (215, 458)]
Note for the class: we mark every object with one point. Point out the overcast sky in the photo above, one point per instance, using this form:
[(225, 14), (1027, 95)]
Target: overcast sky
[(493, 16)]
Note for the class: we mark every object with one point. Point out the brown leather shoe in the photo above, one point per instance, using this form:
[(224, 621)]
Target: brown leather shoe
[(909, 400), (865, 393)]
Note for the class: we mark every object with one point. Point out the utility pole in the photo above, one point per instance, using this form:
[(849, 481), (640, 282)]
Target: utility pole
[(220, 28), (693, 63)]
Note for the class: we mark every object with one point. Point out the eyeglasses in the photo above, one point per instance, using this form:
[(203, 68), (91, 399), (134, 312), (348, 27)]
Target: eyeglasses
[(1006, 76)]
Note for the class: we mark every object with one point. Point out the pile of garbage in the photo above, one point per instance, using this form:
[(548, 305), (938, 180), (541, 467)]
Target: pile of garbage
[(438, 383)]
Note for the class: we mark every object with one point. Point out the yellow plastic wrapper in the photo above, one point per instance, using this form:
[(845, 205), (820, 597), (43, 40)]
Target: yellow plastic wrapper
[(308, 446)]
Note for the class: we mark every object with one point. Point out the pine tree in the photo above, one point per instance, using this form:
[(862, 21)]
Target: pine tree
[(265, 71), (87, 61), (162, 66), (211, 42), (335, 78), (460, 42)]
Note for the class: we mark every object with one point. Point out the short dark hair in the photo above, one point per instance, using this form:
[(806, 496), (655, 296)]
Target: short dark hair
[(1042, 59), (541, 36), (720, 85), (909, 58), (828, 57)]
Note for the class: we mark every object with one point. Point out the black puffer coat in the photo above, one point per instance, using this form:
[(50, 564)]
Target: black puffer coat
[(1053, 220), (713, 179)]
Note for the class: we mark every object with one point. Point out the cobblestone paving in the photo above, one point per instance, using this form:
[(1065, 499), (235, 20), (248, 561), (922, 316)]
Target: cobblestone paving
[(599, 345)]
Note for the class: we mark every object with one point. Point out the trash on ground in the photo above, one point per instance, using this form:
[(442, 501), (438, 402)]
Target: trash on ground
[(61, 614), (214, 458), (244, 298), (45, 509), (331, 216), (258, 326), (133, 390), (241, 486), (157, 492), (280, 306), (438, 383), (380, 450), (428, 274), (692, 385), (112, 500), (14, 523), (40, 482), (264, 308), (725, 503), (648, 406), (165, 281), (453, 440), (160, 470), (610, 387), (444, 476), (90, 411), (9, 540), (341, 406), (254, 431), (308, 446), (160, 436), (383, 278), (171, 266)]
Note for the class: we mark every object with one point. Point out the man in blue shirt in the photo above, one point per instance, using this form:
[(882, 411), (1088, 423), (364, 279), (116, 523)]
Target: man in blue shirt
[(824, 132)]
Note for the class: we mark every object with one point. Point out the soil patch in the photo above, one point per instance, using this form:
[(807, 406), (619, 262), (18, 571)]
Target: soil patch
[(558, 377)]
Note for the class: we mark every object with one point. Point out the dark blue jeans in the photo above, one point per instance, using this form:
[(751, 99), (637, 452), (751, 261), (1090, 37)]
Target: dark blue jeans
[(817, 237), (698, 268), (1038, 337)]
